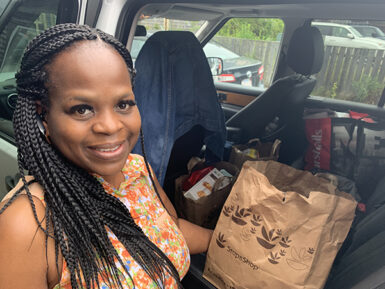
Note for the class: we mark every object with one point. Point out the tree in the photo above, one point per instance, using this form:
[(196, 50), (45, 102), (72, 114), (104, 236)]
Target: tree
[(253, 28)]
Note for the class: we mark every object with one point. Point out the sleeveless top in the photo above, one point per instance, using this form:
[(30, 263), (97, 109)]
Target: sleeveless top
[(138, 194)]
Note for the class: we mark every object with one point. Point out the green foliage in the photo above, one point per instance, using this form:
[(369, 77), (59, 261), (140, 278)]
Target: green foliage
[(267, 29), (367, 90), (44, 21), (333, 91), (328, 91)]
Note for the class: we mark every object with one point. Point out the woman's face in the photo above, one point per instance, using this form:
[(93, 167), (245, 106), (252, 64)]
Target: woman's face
[(91, 119)]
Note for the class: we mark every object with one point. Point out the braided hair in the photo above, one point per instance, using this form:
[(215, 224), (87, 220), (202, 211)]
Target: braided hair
[(77, 207)]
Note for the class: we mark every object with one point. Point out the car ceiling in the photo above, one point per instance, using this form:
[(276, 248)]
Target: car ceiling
[(338, 9)]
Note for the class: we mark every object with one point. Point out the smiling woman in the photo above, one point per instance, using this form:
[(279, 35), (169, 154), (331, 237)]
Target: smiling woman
[(94, 123), (99, 217)]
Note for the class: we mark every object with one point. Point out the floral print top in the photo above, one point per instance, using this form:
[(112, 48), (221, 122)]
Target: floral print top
[(147, 211)]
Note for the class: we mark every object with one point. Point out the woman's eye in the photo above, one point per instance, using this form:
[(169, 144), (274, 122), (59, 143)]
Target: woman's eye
[(81, 110), (124, 105)]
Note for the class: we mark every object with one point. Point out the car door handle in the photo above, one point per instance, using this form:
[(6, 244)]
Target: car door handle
[(10, 182), (222, 97)]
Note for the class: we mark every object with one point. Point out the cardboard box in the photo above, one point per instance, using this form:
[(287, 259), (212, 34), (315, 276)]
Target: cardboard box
[(205, 186)]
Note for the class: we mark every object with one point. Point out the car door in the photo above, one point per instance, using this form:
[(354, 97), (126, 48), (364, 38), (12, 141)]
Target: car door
[(20, 21)]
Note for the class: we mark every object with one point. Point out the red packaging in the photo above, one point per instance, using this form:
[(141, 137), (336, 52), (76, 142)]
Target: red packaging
[(361, 116), (318, 134), (195, 177)]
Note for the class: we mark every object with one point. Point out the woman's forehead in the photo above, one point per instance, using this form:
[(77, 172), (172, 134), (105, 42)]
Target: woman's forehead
[(85, 60)]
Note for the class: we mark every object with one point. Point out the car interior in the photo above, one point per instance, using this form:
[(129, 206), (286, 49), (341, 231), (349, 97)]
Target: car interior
[(301, 74)]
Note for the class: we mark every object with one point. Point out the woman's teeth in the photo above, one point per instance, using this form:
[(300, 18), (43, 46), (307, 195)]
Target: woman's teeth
[(108, 150)]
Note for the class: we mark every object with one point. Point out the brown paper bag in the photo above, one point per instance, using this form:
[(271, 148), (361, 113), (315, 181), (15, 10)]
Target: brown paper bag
[(206, 210), (264, 151), (279, 228)]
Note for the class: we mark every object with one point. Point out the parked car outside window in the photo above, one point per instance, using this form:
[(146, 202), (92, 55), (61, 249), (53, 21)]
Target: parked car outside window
[(370, 31), (336, 34)]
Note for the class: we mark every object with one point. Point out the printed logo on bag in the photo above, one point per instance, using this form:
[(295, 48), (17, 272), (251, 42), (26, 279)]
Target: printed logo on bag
[(271, 239), (300, 258), (221, 244), (239, 216), (221, 240), (268, 238)]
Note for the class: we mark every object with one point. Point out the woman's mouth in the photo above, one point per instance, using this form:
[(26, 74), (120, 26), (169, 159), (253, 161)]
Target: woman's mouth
[(108, 151)]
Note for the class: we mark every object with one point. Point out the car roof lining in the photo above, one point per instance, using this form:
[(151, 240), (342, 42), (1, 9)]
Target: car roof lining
[(204, 11)]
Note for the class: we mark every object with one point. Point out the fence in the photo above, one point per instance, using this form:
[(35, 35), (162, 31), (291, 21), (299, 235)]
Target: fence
[(352, 73), (347, 73)]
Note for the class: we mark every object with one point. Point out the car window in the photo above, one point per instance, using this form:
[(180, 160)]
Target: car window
[(137, 45), (248, 46), (325, 30), (3, 5), (353, 69), (340, 32), (369, 31), (155, 24), (25, 19), (254, 45), (213, 49), (24, 24)]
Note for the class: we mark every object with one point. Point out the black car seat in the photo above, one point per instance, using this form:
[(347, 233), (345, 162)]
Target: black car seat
[(284, 99), (358, 266), (178, 102), (365, 252)]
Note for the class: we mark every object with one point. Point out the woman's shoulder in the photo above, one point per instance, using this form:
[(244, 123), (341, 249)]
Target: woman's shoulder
[(34, 187), (22, 243), (21, 205), (18, 220)]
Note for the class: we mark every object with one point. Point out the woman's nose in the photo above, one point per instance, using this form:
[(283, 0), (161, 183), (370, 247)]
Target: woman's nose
[(107, 123)]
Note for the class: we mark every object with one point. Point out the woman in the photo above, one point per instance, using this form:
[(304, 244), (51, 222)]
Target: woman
[(87, 215)]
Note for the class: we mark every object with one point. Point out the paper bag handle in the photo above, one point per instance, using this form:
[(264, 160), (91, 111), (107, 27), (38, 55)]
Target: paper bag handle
[(275, 148)]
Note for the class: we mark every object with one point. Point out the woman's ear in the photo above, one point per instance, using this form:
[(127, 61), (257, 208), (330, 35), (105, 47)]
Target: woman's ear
[(41, 112), (39, 107)]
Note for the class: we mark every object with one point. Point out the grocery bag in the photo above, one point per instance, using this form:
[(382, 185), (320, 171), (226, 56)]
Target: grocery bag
[(254, 150), (205, 211), (350, 145), (279, 228)]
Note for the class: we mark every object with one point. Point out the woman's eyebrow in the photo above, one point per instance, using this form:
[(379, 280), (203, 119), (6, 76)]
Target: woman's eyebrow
[(93, 98), (81, 98), (129, 94)]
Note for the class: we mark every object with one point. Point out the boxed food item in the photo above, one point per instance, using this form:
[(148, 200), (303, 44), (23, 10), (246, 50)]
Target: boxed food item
[(205, 186), (202, 203)]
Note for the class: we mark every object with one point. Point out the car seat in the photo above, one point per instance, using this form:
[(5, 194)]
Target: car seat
[(284, 99), (363, 253), (176, 95)]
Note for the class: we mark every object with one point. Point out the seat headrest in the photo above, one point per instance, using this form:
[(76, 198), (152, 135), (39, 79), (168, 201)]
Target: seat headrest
[(306, 50), (174, 38), (140, 30)]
